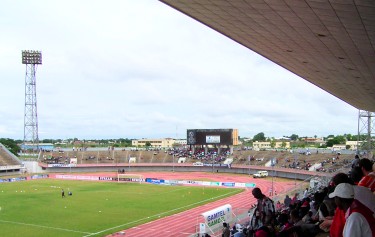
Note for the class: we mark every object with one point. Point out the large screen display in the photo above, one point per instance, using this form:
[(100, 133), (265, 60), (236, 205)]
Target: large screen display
[(209, 136), (213, 139)]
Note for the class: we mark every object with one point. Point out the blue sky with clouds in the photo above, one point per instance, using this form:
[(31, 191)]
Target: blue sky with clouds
[(140, 69)]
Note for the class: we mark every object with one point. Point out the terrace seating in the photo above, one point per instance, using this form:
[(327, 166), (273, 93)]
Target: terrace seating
[(284, 159), (6, 158)]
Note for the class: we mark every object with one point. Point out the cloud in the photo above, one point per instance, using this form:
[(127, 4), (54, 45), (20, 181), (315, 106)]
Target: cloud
[(141, 69)]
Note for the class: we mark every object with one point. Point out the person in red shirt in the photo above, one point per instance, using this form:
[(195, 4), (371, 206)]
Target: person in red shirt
[(359, 218), (294, 199), (336, 224), (369, 179)]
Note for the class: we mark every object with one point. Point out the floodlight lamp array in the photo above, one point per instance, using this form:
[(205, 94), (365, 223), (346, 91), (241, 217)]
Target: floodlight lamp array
[(31, 57)]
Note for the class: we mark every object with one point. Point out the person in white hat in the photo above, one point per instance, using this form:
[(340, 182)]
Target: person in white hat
[(336, 223), (358, 216)]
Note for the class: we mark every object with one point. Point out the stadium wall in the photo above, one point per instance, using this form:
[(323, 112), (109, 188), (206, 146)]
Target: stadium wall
[(237, 169)]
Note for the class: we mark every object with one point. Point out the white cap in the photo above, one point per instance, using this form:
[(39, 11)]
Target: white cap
[(343, 190)]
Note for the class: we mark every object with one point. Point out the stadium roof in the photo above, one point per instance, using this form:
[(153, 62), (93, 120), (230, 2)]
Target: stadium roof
[(329, 43)]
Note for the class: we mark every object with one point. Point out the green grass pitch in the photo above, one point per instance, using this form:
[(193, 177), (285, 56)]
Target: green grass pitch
[(36, 208)]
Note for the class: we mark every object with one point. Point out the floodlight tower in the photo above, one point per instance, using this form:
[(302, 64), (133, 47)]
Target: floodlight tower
[(366, 129), (32, 59)]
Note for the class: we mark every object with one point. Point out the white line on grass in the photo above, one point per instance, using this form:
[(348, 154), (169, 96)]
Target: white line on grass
[(171, 191), (47, 227), (157, 215)]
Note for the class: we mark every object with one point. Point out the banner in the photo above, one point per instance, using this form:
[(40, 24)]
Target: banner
[(76, 177), (154, 181), (250, 185), (228, 184), (218, 215), (61, 165), (73, 161), (39, 176), (240, 185), (13, 179)]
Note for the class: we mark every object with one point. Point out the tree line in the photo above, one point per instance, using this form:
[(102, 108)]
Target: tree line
[(330, 140), (299, 141)]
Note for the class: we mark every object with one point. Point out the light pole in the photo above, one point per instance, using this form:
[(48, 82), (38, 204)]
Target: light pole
[(295, 177), (31, 58), (273, 173), (173, 162), (249, 157)]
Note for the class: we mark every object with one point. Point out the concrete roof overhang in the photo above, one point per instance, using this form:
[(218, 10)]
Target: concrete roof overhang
[(330, 43)]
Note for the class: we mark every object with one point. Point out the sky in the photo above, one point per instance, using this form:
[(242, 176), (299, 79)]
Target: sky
[(140, 69)]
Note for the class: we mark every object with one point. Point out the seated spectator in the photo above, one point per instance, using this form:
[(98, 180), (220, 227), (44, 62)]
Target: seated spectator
[(355, 161), (304, 211), (295, 218), (305, 193), (369, 176), (262, 232), (294, 199), (278, 206), (242, 233), (234, 230), (327, 207), (356, 175), (308, 218), (283, 222), (359, 218), (287, 201), (336, 222)]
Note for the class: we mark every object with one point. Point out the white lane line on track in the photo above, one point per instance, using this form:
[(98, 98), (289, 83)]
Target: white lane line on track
[(177, 223), (157, 215), (246, 200), (241, 200), (46, 227)]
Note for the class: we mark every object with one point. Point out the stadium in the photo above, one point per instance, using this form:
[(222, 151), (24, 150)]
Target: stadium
[(191, 190), (223, 177)]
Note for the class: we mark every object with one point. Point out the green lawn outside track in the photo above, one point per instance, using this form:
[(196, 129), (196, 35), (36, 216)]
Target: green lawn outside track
[(36, 208)]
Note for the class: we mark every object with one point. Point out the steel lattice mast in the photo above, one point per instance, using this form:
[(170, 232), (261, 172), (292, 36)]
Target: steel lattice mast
[(31, 58), (366, 129)]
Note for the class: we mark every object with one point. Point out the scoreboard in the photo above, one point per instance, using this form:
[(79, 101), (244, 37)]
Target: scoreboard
[(212, 137)]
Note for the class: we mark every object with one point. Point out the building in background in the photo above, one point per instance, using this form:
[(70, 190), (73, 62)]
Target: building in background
[(156, 143), (271, 145)]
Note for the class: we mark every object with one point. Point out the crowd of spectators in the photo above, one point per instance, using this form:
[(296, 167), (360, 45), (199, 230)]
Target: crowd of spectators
[(329, 165), (344, 208), (212, 154), (59, 159), (320, 163)]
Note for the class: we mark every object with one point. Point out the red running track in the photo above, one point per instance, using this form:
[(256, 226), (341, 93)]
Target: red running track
[(184, 224)]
